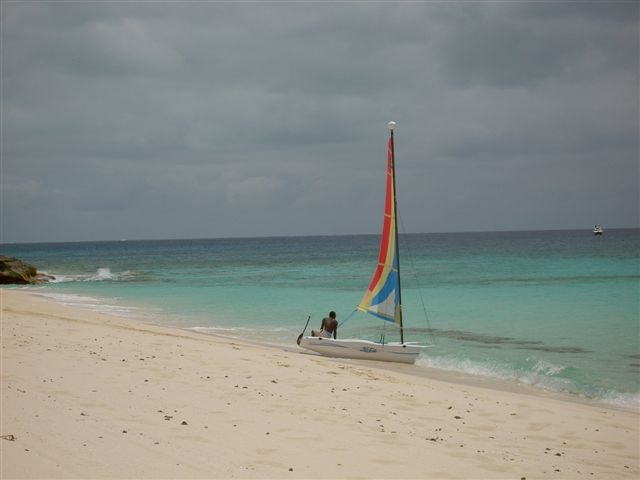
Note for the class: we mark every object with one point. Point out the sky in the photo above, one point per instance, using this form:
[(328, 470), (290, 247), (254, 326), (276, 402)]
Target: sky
[(159, 120)]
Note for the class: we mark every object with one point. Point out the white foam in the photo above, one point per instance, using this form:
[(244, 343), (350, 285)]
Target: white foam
[(101, 274), (625, 400), (543, 375), (466, 366), (89, 303), (240, 330), (546, 368)]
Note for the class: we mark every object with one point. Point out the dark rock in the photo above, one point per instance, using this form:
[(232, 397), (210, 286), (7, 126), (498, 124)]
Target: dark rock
[(15, 271)]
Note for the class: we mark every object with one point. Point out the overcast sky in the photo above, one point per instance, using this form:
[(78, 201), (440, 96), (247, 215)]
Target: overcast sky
[(144, 120)]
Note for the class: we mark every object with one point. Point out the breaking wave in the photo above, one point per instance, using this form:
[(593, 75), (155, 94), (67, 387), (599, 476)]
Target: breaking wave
[(538, 373), (100, 275), (89, 303)]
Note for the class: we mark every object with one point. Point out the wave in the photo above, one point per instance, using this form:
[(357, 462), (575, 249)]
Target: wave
[(89, 303), (242, 332), (537, 373), (100, 275)]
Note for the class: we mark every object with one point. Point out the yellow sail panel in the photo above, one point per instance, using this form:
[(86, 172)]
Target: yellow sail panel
[(382, 297)]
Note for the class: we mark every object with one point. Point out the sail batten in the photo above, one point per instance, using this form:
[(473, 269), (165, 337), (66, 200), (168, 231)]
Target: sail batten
[(382, 298)]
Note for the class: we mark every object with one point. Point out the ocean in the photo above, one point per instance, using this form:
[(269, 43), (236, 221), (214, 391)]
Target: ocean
[(557, 310)]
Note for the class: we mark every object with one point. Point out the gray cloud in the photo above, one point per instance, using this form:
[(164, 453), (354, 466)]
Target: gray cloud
[(165, 120)]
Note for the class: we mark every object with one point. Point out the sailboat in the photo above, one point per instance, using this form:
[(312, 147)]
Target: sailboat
[(383, 298)]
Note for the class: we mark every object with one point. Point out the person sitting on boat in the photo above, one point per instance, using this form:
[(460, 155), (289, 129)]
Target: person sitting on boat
[(328, 327)]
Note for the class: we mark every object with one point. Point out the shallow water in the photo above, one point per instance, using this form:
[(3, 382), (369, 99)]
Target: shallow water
[(554, 309)]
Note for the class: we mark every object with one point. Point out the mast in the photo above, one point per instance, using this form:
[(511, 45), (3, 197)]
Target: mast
[(391, 125)]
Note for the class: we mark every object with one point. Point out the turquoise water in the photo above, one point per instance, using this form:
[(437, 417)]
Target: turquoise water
[(555, 309)]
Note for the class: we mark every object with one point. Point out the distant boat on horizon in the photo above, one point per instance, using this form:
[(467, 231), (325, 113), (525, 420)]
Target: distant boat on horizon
[(597, 229)]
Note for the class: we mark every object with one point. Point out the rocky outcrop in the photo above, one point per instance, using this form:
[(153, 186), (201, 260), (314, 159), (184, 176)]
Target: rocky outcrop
[(15, 271)]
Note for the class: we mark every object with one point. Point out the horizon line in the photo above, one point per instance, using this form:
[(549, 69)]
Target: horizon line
[(257, 237)]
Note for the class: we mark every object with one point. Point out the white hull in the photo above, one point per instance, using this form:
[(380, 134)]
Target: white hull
[(364, 349)]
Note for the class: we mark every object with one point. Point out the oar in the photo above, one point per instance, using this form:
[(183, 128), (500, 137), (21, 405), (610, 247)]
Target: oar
[(305, 327)]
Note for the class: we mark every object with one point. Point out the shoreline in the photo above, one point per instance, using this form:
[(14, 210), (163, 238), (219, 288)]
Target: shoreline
[(132, 313), (86, 394)]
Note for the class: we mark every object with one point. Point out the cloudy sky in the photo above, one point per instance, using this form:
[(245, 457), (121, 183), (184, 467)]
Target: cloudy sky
[(142, 120)]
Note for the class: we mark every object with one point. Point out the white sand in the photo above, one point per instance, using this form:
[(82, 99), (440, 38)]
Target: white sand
[(86, 395)]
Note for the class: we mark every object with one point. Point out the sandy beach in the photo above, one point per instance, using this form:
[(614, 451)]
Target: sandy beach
[(86, 395)]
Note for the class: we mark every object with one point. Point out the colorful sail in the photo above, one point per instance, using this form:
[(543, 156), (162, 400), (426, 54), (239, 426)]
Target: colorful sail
[(382, 297)]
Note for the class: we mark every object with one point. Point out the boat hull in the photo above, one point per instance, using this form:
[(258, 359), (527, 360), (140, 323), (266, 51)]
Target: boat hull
[(363, 349)]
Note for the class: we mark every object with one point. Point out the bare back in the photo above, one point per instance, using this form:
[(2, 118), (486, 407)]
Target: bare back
[(329, 324)]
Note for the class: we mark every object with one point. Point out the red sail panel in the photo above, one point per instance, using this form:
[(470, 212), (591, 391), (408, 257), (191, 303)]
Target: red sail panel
[(381, 298)]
